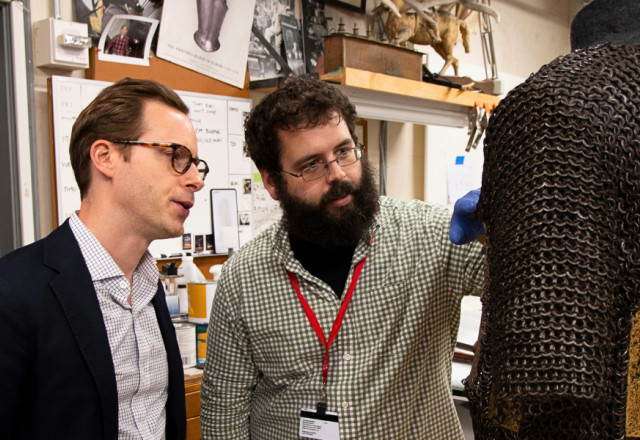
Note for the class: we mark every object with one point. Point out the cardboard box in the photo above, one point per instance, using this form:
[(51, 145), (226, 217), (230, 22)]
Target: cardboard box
[(361, 53)]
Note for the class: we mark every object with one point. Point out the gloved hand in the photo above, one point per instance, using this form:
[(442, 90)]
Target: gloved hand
[(465, 227)]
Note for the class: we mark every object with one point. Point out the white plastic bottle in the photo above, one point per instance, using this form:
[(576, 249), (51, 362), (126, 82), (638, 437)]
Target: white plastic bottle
[(215, 271), (189, 273), (183, 298)]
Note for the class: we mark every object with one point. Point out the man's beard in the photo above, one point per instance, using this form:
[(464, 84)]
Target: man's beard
[(331, 227)]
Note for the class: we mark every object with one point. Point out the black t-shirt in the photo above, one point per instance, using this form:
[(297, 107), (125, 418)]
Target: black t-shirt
[(330, 265)]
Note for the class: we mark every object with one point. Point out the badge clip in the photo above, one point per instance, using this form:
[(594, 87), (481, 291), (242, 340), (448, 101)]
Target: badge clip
[(322, 403)]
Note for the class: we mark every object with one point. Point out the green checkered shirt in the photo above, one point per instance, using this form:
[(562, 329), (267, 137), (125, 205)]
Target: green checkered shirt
[(390, 366)]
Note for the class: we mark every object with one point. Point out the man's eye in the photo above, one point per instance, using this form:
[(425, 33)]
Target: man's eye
[(342, 152), (182, 156), (312, 165)]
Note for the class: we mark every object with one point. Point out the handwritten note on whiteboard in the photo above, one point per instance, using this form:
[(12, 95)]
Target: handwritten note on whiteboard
[(265, 209)]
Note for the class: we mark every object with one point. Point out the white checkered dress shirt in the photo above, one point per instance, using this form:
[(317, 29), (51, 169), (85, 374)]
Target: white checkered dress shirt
[(137, 349), (390, 365)]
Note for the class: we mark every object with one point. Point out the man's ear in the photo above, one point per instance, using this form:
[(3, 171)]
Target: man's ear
[(269, 184), (104, 156)]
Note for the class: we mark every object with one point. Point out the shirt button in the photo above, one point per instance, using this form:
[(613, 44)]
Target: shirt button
[(347, 357), (345, 405), (123, 284)]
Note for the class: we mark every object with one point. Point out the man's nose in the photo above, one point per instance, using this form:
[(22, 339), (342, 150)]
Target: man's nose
[(334, 170), (195, 180)]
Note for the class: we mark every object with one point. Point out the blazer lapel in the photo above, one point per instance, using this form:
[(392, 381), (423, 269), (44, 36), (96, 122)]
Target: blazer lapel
[(74, 290)]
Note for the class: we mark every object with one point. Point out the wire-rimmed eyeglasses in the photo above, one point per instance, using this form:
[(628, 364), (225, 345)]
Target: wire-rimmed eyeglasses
[(318, 168), (181, 158)]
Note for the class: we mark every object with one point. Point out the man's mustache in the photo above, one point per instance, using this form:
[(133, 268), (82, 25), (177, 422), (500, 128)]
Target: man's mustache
[(337, 191)]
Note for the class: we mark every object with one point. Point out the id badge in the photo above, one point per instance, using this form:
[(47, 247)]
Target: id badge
[(319, 426)]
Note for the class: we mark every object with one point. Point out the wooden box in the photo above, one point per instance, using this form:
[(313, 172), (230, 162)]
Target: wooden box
[(361, 53)]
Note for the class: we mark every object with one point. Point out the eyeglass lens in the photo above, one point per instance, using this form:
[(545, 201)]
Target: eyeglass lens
[(346, 157), (182, 160), (202, 168)]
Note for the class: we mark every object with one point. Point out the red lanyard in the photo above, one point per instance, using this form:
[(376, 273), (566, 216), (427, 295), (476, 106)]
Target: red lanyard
[(337, 323)]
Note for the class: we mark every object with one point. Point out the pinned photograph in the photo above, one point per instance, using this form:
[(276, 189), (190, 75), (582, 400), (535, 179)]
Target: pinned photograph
[(127, 39), (292, 43), (261, 63), (314, 29), (243, 219), (208, 36), (97, 13)]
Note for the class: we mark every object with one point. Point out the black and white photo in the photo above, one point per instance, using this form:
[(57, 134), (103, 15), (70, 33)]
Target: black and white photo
[(314, 25), (266, 20), (292, 43)]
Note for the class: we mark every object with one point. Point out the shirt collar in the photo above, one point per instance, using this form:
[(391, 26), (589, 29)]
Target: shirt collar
[(99, 262)]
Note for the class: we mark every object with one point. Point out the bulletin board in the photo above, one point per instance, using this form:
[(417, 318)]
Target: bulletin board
[(218, 121)]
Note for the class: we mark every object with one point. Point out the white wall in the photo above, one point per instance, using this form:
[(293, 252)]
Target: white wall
[(41, 10)]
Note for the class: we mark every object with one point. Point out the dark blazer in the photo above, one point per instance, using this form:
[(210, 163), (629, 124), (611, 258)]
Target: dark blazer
[(57, 378)]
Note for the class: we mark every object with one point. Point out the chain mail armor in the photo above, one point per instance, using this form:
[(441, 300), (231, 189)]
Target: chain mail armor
[(561, 205)]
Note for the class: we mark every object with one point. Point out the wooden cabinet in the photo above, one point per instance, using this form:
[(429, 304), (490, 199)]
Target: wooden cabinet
[(192, 379)]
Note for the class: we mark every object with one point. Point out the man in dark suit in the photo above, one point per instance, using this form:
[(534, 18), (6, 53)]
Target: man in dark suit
[(87, 347)]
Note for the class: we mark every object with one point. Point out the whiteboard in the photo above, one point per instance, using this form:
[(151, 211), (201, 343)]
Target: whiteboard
[(219, 125)]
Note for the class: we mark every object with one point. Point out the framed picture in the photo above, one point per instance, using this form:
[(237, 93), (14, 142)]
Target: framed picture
[(266, 19), (292, 43), (314, 29), (354, 5)]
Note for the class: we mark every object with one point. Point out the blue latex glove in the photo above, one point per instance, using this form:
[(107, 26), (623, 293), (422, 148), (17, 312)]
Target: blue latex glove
[(465, 227)]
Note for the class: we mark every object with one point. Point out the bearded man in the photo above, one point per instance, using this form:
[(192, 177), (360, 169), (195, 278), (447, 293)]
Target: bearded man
[(340, 319)]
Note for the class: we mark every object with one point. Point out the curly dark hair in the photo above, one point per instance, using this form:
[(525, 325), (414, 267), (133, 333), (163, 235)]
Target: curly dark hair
[(300, 102)]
